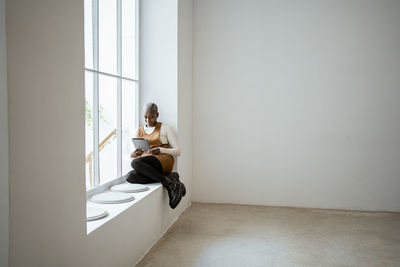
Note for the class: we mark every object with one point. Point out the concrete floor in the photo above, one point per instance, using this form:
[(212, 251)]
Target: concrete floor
[(241, 235)]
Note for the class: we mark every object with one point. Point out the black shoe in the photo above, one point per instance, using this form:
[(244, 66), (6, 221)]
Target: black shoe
[(179, 190), (172, 188), (175, 176)]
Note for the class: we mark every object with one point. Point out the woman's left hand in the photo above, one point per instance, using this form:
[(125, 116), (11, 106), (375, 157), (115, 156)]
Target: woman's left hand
[(155, 151)]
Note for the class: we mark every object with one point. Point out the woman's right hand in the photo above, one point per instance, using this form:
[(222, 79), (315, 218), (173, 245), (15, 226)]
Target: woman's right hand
[(137, 152)]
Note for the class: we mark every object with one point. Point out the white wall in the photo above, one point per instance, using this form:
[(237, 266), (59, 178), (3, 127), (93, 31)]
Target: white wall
[(166, 72), (185, 113), (297, 103), (158, 62), (4, 193), (46, 123)]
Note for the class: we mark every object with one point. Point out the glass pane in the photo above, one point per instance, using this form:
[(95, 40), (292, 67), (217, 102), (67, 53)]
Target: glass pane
[(107, 128), (128, 122), (89, 161), (88, 35), (108, 36), (128, 38)]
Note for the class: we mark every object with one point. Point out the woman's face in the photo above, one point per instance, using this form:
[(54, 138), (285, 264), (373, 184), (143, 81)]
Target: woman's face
[(150, 118)]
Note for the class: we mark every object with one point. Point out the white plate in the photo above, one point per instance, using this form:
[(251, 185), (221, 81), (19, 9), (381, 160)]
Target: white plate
[(129, 188), (93, 213), (112, 198)]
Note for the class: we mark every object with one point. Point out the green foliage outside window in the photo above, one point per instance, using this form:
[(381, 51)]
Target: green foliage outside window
[(89, 116)]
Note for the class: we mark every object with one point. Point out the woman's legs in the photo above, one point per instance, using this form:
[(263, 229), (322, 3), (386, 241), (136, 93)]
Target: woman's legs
[(134, 178), (149, 167)]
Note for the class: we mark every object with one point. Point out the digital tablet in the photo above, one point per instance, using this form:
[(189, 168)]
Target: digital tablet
[(141, 143)]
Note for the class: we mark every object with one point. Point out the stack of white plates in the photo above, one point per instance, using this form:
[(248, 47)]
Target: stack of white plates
[(112, 198), (93, 213), (129, 188)]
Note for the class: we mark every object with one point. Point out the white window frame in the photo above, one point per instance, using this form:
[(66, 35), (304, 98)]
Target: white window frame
[(96, 72)]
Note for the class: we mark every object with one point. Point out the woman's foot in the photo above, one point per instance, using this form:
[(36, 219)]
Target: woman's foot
[(174, 190), (178, 195), (175, 176)]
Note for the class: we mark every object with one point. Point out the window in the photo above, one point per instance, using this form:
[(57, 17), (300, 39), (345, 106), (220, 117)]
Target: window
[(111, 87)]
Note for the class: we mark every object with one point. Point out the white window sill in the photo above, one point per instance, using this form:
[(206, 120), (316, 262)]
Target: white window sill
[(114, 209)]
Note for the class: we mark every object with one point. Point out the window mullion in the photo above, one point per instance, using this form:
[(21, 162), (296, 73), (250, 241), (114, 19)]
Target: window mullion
[(119, 87), (95, 21), (111, 75)]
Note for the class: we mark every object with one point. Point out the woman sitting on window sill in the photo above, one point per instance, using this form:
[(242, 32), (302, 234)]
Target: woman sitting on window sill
[(155, 165)]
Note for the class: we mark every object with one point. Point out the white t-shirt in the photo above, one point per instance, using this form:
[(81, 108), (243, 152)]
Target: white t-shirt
[(167, 136)]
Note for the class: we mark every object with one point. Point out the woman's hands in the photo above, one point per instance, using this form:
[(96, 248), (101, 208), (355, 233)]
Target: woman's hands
[(155, 151), (139, 151)]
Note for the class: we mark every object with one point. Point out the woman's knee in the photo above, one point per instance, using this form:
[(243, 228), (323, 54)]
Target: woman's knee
[(135, 178), (136, 164)]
